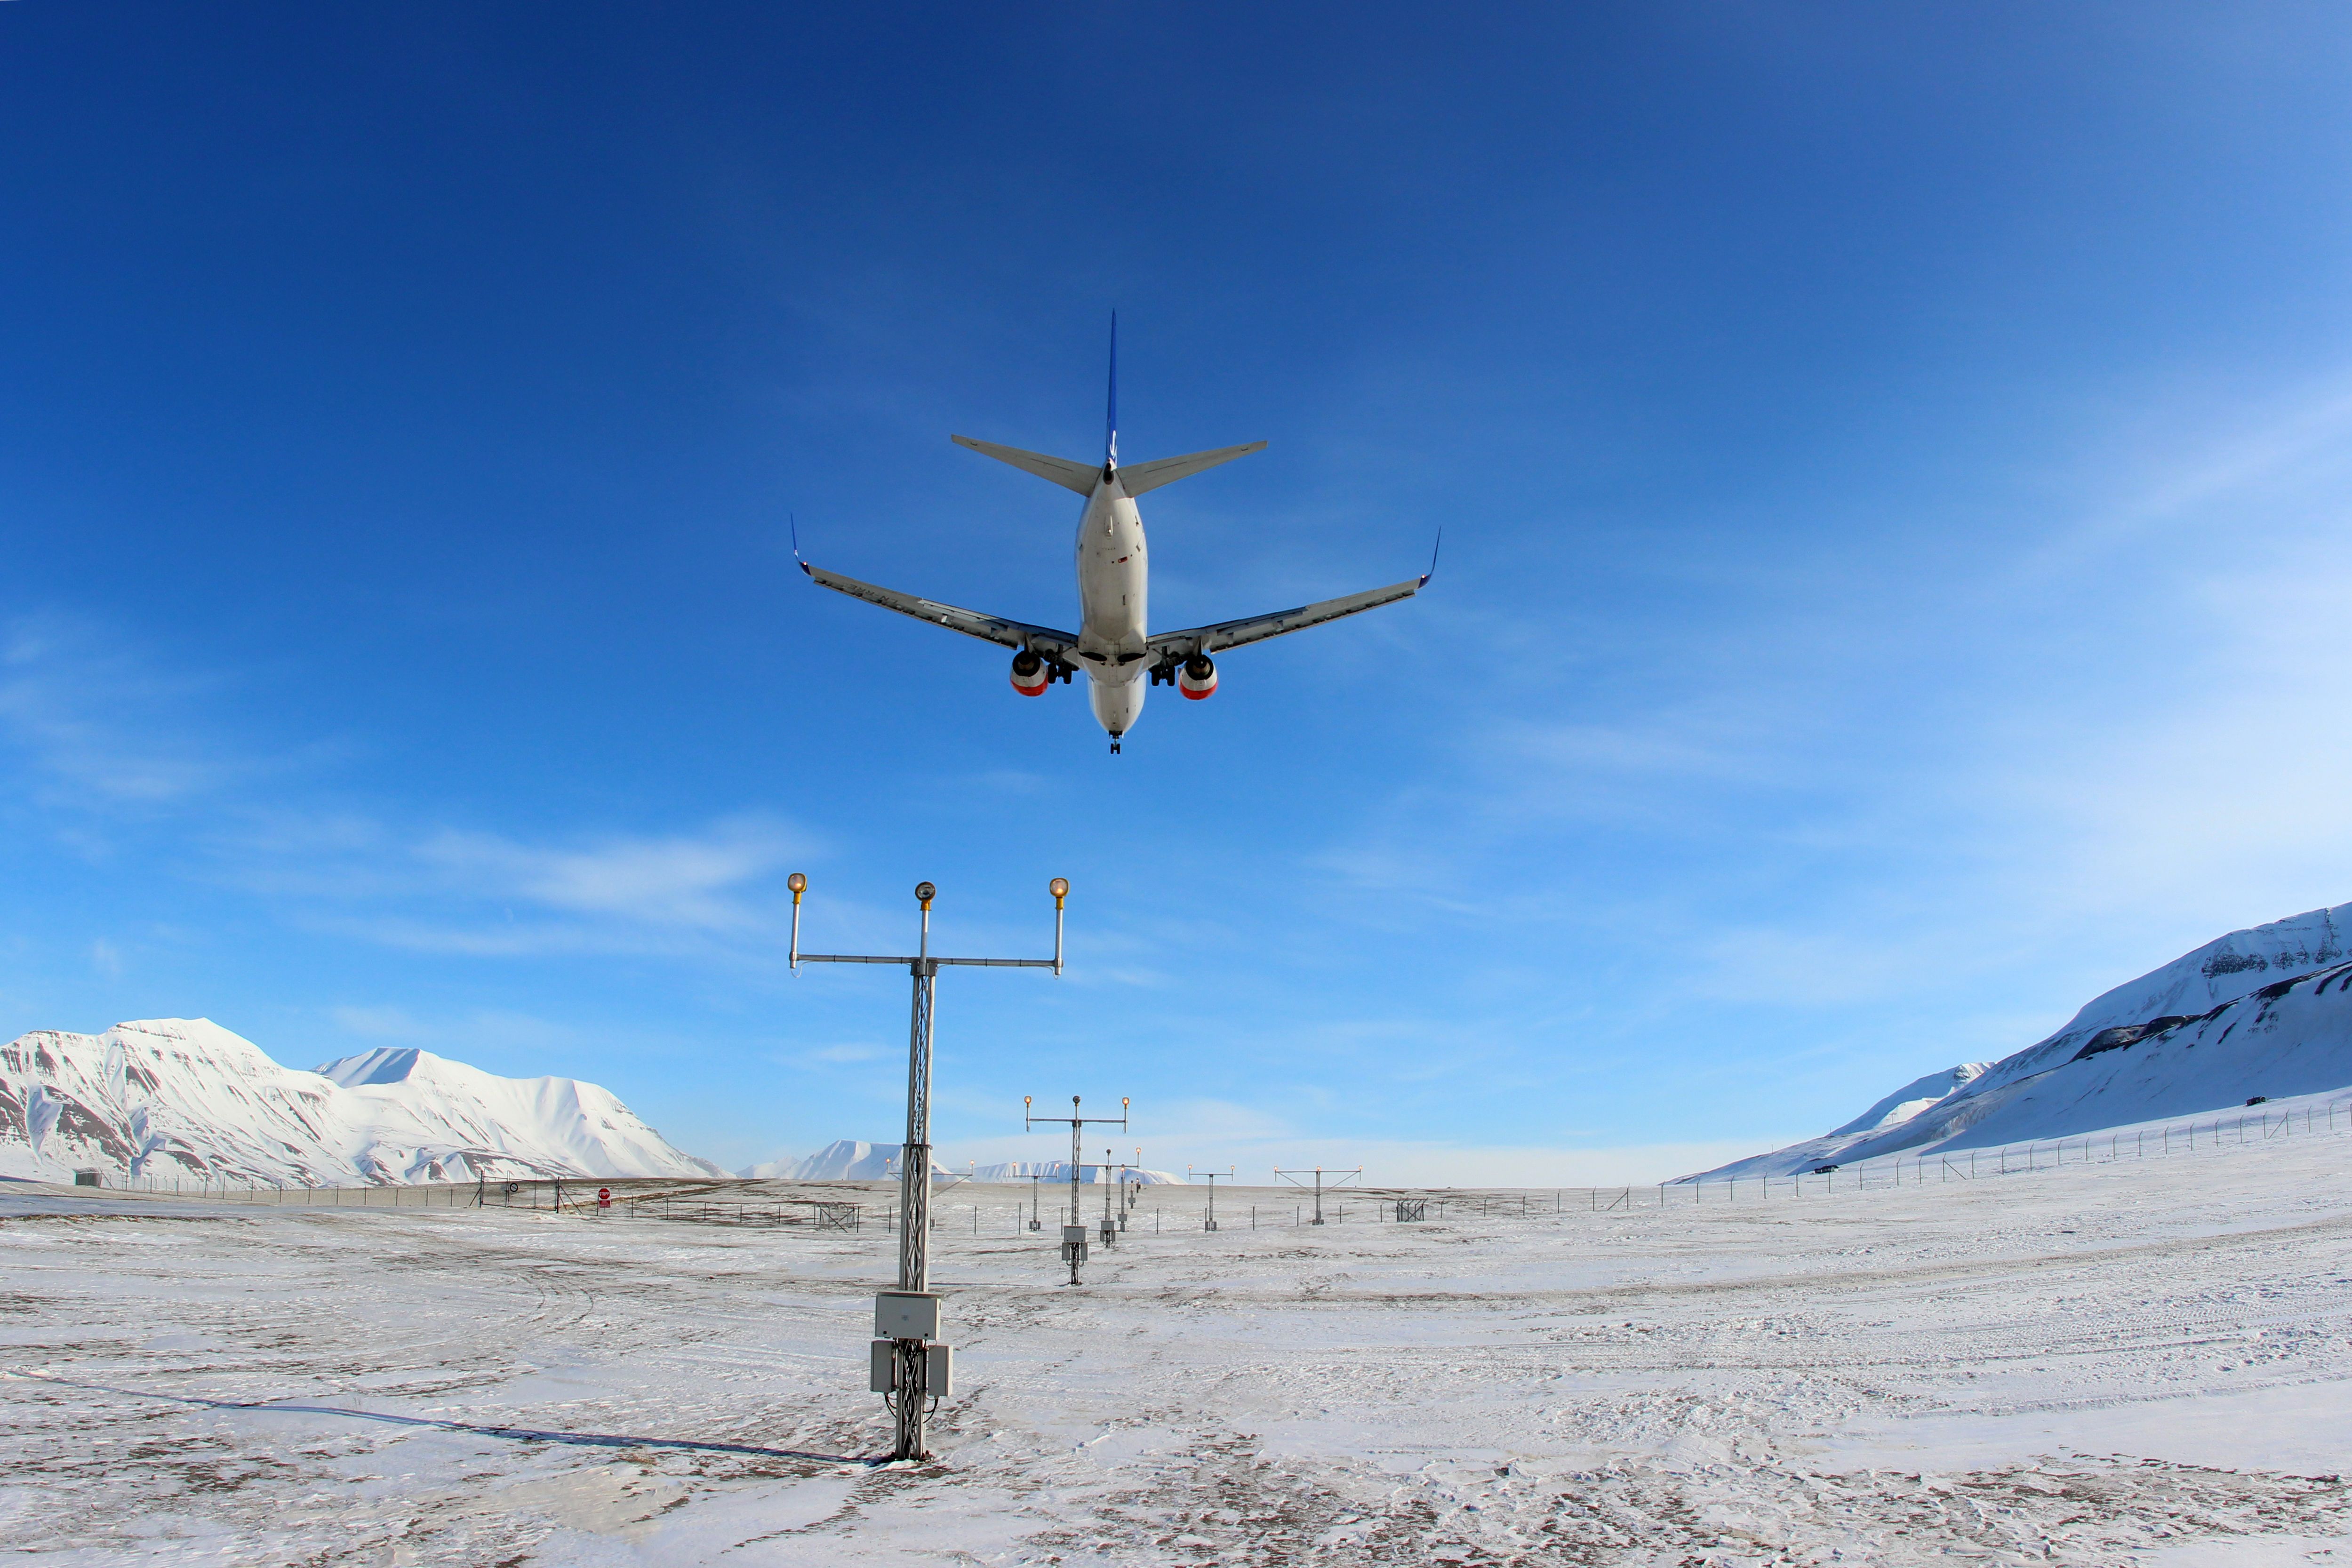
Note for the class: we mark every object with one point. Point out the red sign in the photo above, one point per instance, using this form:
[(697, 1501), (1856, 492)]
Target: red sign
[(603, 1198)]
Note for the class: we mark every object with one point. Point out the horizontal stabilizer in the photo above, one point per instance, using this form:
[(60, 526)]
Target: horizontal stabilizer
[(1078, 477), (1161, 471)]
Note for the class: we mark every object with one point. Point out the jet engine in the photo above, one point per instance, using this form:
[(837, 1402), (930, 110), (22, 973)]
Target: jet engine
[(1197, 679), (1030, 675)]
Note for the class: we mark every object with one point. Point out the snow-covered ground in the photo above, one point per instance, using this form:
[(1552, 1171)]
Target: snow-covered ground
[(2143, 1362)]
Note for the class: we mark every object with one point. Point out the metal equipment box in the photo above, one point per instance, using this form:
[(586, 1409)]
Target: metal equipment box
[(939, 1369), (906, 1315)]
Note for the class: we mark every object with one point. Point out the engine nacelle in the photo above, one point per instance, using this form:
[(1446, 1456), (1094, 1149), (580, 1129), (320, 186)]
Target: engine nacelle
[(1030, 674), (1198, 677)]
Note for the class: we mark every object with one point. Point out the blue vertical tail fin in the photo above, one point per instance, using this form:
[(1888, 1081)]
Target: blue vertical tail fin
[(1110, 413)]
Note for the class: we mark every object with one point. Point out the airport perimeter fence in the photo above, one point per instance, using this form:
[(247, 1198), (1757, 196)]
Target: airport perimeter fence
[(737, 1202), (666, 1198), (2206, 1135)]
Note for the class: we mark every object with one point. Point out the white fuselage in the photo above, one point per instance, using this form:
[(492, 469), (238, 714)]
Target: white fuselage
[(1114, 585)]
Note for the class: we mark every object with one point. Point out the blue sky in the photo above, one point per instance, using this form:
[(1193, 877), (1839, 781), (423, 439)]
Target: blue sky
[(1892, 463)]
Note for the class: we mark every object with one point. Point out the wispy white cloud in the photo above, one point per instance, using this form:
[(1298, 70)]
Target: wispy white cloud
[(100, 724), (2190, 460), (678, 879), (113, 744), (1987, 781)]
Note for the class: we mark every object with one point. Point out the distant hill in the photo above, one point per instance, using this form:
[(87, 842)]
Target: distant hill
[(1059, 1171), (846, 1160), (2258, 1012), (180, 1098)]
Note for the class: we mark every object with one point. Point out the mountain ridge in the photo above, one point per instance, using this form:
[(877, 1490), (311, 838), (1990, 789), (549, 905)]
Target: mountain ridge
[(187, 1098), (2128, 1055), (850, 1159)]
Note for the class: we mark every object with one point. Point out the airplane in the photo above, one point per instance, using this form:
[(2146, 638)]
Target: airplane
[(1120, 659)]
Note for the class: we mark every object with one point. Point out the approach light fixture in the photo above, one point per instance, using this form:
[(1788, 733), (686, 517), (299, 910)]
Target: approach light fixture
[(908, 1366)]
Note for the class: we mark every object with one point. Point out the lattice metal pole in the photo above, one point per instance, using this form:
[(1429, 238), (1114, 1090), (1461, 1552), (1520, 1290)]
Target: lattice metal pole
[(908, 1368), (1074, 1230), (911, 1355), (1338, 1179)]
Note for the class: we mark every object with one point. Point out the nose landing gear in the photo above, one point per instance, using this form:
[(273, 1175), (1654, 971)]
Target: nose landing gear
[(1114, 746)]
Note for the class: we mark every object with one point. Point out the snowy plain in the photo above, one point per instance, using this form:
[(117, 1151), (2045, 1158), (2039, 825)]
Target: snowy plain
[(2146, 1362)]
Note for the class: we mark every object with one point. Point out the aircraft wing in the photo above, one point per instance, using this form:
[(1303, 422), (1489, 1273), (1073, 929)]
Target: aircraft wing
[(1171, 645), (1044, 641)]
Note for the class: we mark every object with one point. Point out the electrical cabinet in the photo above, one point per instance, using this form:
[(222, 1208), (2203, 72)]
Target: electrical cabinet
[(906, 1315), (939, 1369)]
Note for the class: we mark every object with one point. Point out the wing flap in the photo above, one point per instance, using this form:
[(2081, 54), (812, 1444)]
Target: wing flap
[(1257, 628), (1044, 641)]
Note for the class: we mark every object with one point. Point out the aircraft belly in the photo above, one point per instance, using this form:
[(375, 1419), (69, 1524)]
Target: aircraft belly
[(1112, 599), (1113, 582)]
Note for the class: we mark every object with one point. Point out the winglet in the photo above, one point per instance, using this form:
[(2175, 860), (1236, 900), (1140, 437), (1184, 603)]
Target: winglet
[(1433, 549), (1110, 411), (793, 522)]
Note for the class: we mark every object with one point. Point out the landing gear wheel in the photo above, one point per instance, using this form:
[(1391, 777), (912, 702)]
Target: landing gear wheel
[(1114, 748)]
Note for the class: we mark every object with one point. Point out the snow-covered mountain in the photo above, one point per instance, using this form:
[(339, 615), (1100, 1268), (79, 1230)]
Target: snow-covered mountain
[(2258, 1012), (1059, 1171), (178, 1096), (1911, 1099), (847, 1160)]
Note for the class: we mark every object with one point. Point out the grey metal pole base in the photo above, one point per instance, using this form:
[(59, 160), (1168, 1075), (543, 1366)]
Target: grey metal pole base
[(907, 1423)]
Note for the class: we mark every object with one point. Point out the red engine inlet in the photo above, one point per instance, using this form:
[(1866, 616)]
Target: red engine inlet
[(1029, 674), (1197, 679)]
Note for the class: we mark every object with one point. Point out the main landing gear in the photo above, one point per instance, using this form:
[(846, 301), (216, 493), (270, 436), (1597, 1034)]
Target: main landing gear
[(1114, 746)]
